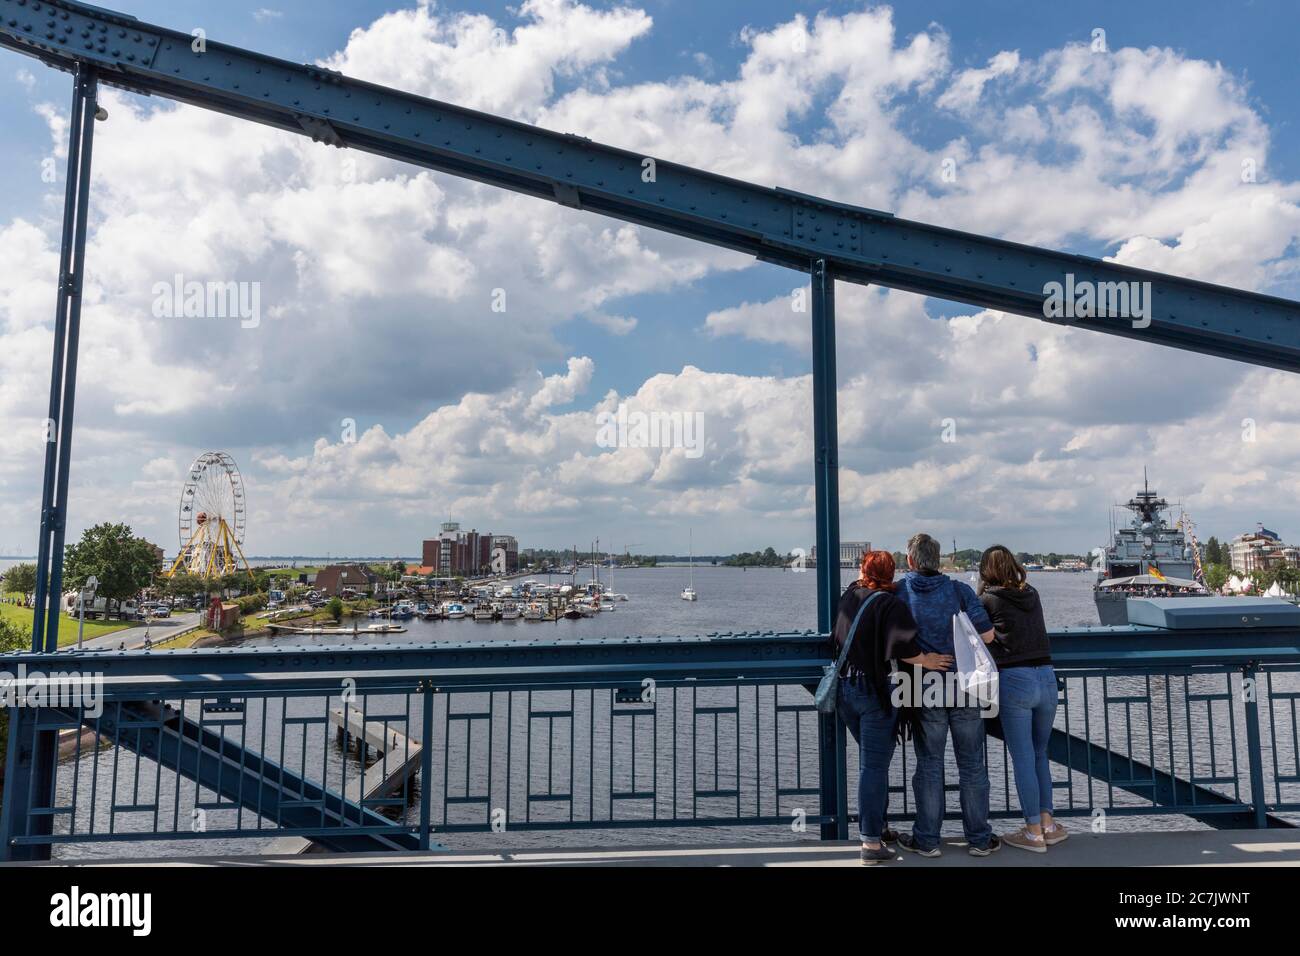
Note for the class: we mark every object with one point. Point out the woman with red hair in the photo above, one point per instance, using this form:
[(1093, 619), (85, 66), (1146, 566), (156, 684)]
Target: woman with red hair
[(884, 634)]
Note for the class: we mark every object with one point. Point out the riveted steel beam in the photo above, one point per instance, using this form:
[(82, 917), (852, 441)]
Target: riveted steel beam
[(459, 665), (782, 226), (791, 657)]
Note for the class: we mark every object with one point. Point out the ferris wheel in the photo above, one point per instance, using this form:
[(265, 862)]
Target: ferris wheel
[(210, 518)]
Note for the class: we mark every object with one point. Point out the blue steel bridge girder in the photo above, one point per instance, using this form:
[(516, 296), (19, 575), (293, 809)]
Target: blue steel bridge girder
[(237, 775), (781, 226), (787, 657)]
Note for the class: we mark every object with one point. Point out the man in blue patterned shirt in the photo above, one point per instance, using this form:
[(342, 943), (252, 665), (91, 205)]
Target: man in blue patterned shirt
[(934, 600)]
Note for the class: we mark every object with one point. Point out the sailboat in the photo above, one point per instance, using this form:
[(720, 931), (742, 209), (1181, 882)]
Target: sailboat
[(688, 592), (610, 592)]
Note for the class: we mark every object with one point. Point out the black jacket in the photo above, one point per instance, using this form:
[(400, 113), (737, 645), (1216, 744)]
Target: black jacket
[(1020, 638), (886, 632)]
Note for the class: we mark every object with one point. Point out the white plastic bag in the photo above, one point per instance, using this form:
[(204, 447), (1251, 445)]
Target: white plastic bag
[(977, 674)]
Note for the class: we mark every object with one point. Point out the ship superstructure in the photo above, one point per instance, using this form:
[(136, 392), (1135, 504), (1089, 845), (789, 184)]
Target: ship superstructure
[(1149, 557)]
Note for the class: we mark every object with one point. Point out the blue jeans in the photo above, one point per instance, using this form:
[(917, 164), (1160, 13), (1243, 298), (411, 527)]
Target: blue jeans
[(967, 726), (1027, 708), (872, 727)]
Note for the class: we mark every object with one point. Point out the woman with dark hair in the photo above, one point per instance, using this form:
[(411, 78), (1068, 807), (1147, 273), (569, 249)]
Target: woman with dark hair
[(1026, 691), (884, 634)]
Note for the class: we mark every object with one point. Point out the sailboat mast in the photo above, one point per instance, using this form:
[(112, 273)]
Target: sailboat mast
[(690, 556)]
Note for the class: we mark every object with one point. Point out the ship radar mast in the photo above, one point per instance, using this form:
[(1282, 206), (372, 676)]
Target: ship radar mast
[(1146, 504)]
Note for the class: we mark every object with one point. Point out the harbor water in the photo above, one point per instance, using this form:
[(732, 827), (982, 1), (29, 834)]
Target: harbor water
[(731, 600)]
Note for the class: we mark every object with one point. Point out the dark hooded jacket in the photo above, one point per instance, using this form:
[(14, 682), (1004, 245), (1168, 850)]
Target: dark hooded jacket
[(1020, 634), (934, 599)]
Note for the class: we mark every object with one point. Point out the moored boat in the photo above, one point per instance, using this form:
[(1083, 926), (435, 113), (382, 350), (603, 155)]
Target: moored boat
[(1149, 558), (340, 630), (688, 592)]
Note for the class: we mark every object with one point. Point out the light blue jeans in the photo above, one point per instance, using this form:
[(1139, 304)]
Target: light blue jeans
[(1027, 708)]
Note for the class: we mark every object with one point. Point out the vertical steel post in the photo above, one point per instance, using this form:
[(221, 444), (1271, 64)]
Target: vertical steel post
[(34, 759), (63, 377), (56, 374), (1254, 745), (14, 817), (426, 768), (88, 86), (831, 735)]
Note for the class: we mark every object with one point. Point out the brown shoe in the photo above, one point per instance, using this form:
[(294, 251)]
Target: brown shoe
[(1055, 834), (1024, 840)]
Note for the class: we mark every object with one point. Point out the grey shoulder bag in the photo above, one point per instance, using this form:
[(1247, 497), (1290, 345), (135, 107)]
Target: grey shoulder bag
[(827, 696)]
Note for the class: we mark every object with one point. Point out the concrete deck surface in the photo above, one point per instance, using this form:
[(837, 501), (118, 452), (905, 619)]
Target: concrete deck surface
[(1083, 848)]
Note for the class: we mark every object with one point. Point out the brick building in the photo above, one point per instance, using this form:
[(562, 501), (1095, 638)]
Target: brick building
[(457, 553)]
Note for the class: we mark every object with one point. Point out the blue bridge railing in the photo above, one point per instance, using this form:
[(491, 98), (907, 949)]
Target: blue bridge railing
[(405, 747)]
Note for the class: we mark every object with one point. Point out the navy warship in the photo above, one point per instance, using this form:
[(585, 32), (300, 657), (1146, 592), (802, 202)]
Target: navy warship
[(1149, 558)]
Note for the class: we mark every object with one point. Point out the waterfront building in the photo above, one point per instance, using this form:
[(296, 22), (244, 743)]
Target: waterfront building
[(457, 553), (337, 578), (1261, 550), (850, 553), (508, 545)]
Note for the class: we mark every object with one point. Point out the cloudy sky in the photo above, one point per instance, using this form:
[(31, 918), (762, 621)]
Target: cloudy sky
[(429, 348)]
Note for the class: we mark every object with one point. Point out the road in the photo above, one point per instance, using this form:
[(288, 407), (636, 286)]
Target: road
[(134, 637)]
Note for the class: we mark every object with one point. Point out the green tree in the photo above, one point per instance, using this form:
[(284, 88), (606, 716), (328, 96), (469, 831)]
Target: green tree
[(182, 584), (1264, 578), (1214, 551), (20, 579), (335, 609), (1289, 578), (234, 581), (12, 638), (124, 564), (1216, 576), (188, 586)]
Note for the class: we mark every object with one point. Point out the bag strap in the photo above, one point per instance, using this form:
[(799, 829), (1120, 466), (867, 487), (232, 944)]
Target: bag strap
[(853, 629)]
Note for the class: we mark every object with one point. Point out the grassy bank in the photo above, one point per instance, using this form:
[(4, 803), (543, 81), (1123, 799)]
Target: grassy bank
[(22, 617)]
